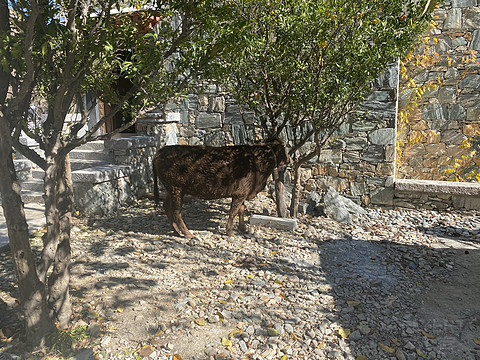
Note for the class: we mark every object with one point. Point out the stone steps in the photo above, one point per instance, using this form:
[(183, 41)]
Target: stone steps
[(93, 145), (32, 185), (102, 173), (90, 163), (80, 154)]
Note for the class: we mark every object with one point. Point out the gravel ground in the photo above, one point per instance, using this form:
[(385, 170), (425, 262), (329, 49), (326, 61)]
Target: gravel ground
[(395, 284)]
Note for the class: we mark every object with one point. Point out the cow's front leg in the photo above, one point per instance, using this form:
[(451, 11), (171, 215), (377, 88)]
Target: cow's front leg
[(178, 224), (237, 204), (241, 220)]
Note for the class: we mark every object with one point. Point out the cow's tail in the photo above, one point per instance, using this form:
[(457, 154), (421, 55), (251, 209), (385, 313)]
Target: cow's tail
[(155, 185)]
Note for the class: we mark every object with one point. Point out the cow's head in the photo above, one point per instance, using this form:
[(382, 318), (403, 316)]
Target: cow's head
[(281, 155)]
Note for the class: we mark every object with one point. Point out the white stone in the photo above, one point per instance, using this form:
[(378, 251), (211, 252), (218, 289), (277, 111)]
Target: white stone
[(274, 222)]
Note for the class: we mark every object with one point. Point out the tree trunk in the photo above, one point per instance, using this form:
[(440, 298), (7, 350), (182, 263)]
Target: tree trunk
[(295, 193), (56, 241), (52, 236), (32, 292), (59, 280), (279, 177)]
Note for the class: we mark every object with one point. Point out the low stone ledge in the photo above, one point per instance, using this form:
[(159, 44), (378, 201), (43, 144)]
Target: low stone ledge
[(130, 142), (438, 187), (23, 168), (99, 174), (159, 118), (22, 165), (274, 222)]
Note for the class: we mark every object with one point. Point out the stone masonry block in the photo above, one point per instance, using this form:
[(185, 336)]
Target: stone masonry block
[(463, 3), (99, 174), (438, 187), (207, 121), (130, 142), (454, 19), (274, 222)]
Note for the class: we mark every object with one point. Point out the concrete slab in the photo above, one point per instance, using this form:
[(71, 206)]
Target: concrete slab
[(35, 214), (274, 222), (438, 187)]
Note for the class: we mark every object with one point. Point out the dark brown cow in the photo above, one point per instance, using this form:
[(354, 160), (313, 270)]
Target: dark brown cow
[(239, 172)]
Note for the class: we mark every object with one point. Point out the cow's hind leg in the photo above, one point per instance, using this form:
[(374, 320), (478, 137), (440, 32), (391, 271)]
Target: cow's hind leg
[(237, 205), (167, 205), (178, 224)]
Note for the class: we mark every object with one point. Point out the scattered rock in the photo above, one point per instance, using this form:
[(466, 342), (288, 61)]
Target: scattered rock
[(340, 208)]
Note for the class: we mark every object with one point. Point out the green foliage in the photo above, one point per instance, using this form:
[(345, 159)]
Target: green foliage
[(157, 49), (63, 341), (313, 61)]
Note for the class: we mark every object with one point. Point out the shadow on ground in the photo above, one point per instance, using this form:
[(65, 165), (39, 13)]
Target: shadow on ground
[(134, 275)]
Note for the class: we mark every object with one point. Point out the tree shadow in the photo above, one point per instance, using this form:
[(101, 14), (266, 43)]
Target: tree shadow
[(11, 324), (197, 214), (382, 291), (398, 295)]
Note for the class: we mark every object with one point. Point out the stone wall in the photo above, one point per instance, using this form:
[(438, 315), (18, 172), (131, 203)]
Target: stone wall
[(440, 109), (360, 163), (137, 153), (105, 188), (104, 197), (210, 118)]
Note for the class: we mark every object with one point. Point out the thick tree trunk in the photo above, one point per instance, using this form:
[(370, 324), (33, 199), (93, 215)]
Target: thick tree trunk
[(56, 251), (51, 237), (59, 280), (279, 178), (32, 292), (295, 193)]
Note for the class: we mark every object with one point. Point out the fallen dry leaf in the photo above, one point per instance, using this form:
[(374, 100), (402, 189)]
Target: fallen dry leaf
[(361, 357), (344, 333), (424, 333), (200, 321), (353, 303), (220, 316), (420, 353), (235, 333), (226, 342), (177, 357), (386, 348), (476, 341), (145, 351)]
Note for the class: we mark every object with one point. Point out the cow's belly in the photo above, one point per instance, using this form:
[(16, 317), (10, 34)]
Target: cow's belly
[(217, 188)]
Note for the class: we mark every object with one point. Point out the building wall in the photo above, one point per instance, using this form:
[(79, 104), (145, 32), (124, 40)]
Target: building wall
[(439, 107), (359, 163)]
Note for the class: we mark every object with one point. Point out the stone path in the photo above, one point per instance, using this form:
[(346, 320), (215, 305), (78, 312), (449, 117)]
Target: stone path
[(35, 214), (397, 284)]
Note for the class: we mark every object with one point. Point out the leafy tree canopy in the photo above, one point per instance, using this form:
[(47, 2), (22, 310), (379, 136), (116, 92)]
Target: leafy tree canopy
[(306, 65)]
